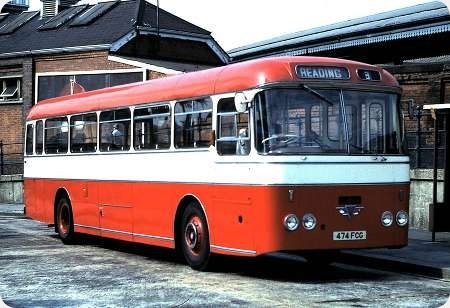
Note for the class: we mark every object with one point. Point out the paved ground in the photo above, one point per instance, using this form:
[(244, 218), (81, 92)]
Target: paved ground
[(421, 256), (37, 270)]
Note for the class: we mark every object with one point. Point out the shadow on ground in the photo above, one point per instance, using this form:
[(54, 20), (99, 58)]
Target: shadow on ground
[(271, 267)]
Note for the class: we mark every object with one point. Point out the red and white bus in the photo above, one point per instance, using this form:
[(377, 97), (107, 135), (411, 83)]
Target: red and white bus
[(300, 154)]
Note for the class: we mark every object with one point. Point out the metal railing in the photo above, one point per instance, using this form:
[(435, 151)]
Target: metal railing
[(11, 158), (420, 141)]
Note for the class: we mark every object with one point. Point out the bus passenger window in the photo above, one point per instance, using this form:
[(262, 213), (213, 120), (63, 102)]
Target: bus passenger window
[(56, 135), (115, 132), (29, 141), (193, 123), (233, 134), (83, 133), (152, 128), (39, 137)]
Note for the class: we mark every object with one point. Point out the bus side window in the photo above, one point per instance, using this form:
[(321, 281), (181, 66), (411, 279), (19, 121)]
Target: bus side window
[(39, 137), (193, 123), (233, 134), (56, 135), (115, 130), (152, 127), (83, 133), (29, 140)]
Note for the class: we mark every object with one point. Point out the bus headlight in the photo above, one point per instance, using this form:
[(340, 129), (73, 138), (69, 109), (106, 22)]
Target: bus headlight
[(291, 222), (387, 218), (309, 221), (401, 218)]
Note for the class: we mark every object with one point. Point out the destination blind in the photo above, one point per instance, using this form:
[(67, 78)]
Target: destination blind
[(322, 72)]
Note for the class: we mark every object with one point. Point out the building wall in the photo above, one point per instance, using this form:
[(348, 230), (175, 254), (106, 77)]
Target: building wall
[(87, 61), (425, 84), (12, 114)]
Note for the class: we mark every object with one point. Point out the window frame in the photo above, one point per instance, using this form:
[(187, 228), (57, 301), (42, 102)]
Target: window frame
[(235, 114), (96, 132), (55, 127), (41, 152), (128, 136), (169, 114), (27, 139), (193, 112), (16, 96)]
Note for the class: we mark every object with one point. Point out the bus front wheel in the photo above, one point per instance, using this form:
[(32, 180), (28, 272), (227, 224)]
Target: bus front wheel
[(64, 221), (194, 237)]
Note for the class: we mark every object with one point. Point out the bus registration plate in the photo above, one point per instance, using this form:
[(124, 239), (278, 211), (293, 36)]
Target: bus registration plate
[(349, 235)]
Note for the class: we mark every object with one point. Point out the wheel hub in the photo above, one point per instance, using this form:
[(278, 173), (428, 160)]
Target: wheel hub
[(193, 234), (64, 219)]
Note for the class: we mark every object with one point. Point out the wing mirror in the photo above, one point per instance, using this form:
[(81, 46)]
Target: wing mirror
[(241, 102)]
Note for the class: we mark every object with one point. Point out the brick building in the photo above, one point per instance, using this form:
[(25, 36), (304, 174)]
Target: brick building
[(413, 44), (67, 48)]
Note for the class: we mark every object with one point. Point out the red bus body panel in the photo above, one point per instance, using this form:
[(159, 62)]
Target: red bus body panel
[(243, 217)]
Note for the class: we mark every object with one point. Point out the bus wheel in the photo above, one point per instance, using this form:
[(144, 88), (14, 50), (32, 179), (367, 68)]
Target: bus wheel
[(194, 237), (64, 221)]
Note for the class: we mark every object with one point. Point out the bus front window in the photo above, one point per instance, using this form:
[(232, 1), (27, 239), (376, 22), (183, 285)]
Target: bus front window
[(334, 121)]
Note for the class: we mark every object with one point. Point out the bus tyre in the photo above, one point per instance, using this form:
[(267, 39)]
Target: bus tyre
[(64, 221), (194, 238)]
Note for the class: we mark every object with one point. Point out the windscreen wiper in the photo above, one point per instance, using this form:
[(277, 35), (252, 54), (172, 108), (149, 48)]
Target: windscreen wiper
[(317, 94)]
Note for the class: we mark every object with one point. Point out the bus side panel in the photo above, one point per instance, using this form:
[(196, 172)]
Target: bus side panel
[(154, 206), (84, 199), (39, 205), (29, 197), (231, 220), (116, 209)]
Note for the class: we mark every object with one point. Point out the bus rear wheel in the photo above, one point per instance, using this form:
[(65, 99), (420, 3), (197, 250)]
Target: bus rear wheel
[(64, 221), (194, 237)]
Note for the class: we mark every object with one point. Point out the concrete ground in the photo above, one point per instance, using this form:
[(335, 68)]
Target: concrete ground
[(37, 270), (421, 256)]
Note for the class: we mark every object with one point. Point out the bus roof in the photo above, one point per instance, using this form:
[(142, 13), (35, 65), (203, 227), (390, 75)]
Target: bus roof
[(230, 78)]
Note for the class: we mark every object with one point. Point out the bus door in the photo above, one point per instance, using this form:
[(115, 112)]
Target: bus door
[(115, 210), (233, 212)]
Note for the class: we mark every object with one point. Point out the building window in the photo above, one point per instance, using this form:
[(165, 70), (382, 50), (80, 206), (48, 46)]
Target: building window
[(60, 85), (10, 89), (19, 2)]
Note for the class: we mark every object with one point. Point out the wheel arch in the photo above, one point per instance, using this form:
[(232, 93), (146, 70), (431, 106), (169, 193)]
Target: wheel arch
[(60, 192), (182, 205)]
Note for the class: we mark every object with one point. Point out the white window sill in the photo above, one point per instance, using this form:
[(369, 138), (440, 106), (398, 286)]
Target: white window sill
[(11, 102)]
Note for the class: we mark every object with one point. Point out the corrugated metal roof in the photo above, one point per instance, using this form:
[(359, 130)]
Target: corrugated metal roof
[(393, 25)]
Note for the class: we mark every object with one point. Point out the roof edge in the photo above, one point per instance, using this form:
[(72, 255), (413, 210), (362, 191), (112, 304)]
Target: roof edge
[(411, 10), (55, 50)]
